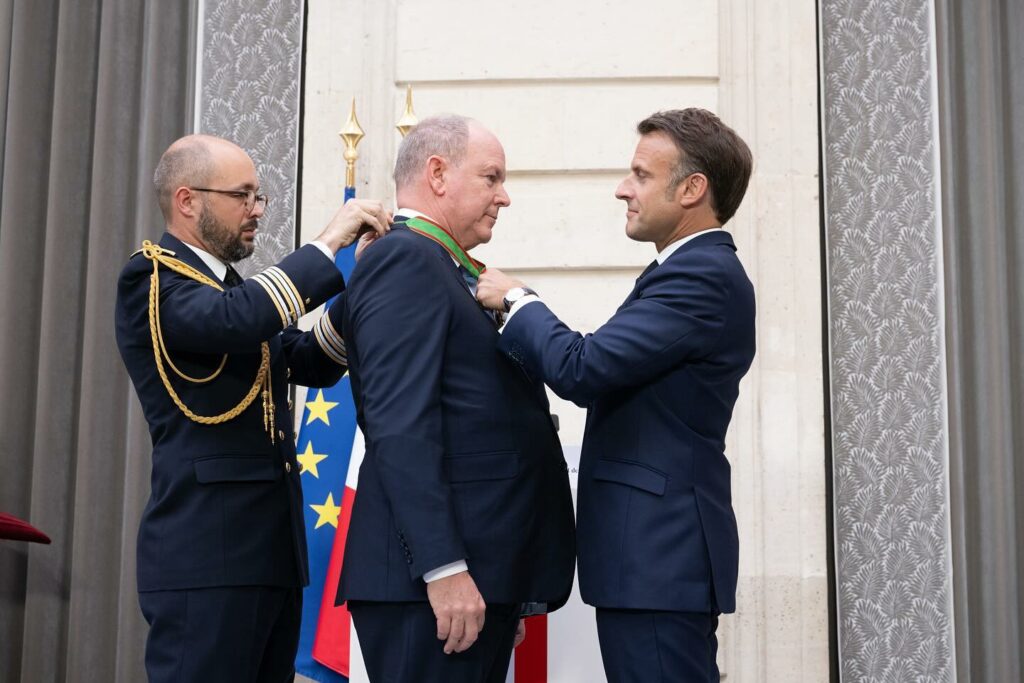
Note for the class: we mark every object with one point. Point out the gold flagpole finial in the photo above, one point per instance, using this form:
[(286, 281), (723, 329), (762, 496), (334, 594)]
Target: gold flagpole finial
[(351, 134), (408, 120)]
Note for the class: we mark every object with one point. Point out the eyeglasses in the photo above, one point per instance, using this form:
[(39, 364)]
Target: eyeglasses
[(249, 196)]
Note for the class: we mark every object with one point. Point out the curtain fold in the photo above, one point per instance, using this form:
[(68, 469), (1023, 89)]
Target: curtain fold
[(96, 89), (981, 95)]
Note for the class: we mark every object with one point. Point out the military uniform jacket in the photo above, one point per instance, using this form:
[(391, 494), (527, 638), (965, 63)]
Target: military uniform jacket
[(225, 506), (462, 459)]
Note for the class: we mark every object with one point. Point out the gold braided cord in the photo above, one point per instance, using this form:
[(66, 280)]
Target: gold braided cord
[(160, 256)]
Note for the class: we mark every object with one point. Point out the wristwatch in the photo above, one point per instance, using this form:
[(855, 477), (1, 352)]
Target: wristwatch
[(515, 294)]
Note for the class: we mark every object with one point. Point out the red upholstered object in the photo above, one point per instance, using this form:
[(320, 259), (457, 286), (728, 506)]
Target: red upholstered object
[(14, 528)]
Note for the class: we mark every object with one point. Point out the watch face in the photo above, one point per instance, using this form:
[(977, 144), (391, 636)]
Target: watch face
[(511, 296)]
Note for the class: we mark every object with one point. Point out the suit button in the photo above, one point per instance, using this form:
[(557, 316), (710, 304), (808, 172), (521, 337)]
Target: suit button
[(280, 434)]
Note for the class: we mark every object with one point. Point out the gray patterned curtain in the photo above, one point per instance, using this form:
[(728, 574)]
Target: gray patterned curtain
[(981, 97), (92, 92), (890, 502)]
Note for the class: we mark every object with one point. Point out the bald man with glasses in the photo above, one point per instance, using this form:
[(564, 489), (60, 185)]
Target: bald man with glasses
[(221, 555)]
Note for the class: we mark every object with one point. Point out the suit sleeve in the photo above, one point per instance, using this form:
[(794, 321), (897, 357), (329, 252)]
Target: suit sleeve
[(317, 358), (399, 317), (680, 316), (198, 318)]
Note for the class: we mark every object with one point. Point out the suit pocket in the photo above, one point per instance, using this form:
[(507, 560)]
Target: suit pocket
[(218, 468), (490, 466), (631, 474)]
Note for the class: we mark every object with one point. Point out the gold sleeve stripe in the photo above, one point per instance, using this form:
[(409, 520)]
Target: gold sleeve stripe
[(272, 275), (288, 291), (331, 353), (330, 341), (330, 336), (294, 290), (275, 298)]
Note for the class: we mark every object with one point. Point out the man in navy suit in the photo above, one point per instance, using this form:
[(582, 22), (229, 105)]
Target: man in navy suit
[(221, 547), (658, 546), (463, 518)]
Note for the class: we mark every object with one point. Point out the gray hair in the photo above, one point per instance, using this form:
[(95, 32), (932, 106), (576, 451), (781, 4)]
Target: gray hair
[(445, 136), (187, 162)]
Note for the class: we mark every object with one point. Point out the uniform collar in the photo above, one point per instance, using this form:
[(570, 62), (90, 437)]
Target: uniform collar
[(195, 257), (212, 262)]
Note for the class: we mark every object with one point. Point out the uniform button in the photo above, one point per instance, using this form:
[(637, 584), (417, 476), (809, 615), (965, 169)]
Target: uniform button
[(288, 467), (291, 406), (288, 373), (307, 299), (280, 434)]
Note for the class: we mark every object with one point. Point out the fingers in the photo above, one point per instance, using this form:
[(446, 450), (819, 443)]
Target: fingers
[(459, 609), (372, 217), (520, 633), (353, 219), (458, 636), (444, 627)]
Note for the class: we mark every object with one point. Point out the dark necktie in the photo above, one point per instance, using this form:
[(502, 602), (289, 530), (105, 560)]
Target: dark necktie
[(497, 316), (650, 266), (232, 278)]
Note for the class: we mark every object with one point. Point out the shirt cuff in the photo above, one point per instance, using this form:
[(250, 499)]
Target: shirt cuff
[(528, 299), (446, 571), (324, 248)]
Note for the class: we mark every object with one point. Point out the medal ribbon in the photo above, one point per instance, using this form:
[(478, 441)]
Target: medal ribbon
[(433, 231)]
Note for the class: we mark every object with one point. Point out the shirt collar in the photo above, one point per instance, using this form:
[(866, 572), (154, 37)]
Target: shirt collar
[(212, 262), (413, 213), (671, 249)]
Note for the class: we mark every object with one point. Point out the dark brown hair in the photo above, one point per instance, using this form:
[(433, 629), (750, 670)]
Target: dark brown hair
[(708, 146)]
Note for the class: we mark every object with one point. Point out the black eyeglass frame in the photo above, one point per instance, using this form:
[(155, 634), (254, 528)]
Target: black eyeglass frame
[(248, 196)]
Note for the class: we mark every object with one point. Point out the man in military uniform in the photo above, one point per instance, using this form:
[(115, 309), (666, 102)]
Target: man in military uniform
[(221, 546)]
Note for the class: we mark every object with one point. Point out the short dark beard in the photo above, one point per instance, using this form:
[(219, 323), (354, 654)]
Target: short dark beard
[(225, 244)]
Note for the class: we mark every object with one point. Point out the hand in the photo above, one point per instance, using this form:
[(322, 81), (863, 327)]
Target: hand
[(492, 288), (459, 609), (356, 217), (520, 633), (364, 242)]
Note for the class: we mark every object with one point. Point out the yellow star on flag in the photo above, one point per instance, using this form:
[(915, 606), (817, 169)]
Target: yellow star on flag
[(319, 408), (309, 460), (328, 512)]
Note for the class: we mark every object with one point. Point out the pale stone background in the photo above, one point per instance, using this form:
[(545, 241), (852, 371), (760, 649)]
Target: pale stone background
[(563, 85)]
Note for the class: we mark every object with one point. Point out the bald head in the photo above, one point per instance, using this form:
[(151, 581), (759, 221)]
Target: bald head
[(190, 161)]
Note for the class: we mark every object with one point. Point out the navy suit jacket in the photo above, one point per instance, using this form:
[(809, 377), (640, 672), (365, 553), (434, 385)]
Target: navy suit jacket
[(462, 459), (655, 523), (225, 505)]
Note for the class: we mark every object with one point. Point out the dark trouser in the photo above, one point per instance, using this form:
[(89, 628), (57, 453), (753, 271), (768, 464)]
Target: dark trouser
[(241, 634), (399, 644), (642, 646)]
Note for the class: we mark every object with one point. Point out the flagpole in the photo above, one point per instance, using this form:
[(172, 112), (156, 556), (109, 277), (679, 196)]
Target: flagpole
[(408, 120), (351, 134)]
